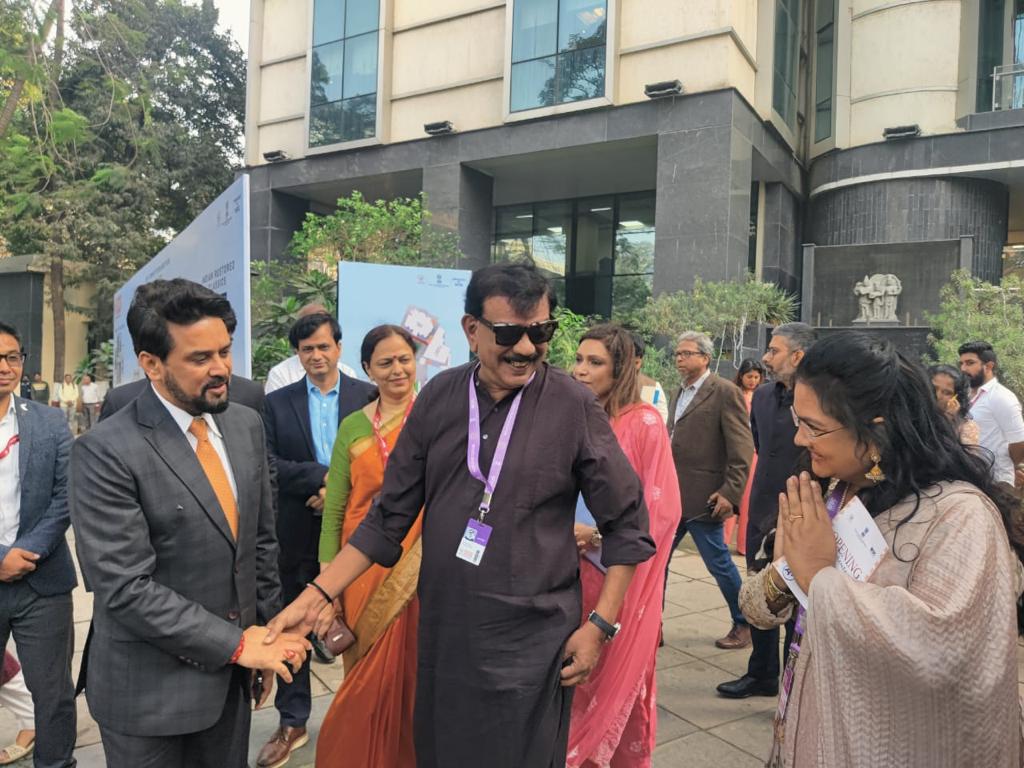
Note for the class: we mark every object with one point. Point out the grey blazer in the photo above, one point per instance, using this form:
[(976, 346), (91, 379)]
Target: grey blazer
[(44, 448), (173, 589)]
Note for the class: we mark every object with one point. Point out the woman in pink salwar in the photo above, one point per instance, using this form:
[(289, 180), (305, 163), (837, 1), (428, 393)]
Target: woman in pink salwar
[(613, 713)]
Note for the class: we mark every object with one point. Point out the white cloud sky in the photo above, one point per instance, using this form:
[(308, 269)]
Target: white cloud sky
[(234, 18)]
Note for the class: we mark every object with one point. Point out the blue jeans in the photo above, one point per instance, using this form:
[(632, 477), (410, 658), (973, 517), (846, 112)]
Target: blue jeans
[(707, 535)]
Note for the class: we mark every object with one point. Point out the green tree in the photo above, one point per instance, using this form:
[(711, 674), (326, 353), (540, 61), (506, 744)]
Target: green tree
[(971, 309), (383, 232), (723, 310), (571, 327)]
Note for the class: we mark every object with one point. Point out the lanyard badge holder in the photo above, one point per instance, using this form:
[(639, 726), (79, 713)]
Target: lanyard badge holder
[(478, 533)]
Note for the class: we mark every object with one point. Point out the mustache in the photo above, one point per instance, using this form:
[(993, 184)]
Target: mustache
[(517, 358), (214, 383)]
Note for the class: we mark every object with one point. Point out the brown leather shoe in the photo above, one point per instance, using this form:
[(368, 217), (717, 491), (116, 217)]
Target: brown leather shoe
[(738, 637), (285, 740)]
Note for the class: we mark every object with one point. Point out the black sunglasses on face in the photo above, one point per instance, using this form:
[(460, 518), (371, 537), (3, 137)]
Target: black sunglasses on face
[(509, 334)]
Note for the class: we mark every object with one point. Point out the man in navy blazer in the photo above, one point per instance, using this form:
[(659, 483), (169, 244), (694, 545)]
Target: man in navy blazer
[(302, 421), (36, 572)]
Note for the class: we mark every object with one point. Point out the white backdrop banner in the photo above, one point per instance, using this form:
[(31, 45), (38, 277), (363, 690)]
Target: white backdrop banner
[(212, 250), (426, 302)]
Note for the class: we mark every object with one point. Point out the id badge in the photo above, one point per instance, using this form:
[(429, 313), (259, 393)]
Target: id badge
[(474, 542)]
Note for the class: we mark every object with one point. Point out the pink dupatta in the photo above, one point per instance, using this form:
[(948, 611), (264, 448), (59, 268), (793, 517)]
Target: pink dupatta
[(613, 714)]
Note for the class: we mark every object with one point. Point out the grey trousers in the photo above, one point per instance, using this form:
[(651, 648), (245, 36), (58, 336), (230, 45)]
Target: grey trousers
[(225, 744), (43, 635)]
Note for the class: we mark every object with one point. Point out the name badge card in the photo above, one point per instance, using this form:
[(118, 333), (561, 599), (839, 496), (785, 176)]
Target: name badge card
[(474, 542), (860, 547)]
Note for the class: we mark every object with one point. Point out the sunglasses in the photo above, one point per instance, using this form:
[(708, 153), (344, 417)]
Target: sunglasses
[(509, 334)]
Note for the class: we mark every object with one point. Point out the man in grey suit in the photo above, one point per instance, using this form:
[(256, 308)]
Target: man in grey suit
[(174, 521), (36, 572), (712, 448)]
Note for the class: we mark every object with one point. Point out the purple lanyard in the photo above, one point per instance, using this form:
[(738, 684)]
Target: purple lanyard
[(473, 444), (832, 507)]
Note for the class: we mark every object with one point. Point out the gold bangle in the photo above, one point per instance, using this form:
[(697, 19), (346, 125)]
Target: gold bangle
[(771, 591)]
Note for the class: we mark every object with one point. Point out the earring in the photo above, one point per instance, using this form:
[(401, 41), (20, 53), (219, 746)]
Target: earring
[(875, 474)]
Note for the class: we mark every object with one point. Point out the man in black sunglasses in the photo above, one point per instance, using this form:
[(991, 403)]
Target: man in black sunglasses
[(495, 453)]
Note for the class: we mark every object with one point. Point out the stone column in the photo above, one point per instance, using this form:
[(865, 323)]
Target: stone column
[(460, 200)]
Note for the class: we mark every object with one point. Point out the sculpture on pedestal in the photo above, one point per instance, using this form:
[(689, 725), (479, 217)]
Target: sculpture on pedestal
[(877, 296)]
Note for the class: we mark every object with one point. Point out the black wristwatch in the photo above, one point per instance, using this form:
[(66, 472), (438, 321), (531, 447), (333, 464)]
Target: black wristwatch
[(610, 630)]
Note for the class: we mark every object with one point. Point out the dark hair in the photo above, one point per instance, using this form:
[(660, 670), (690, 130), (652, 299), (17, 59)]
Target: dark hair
[(307, 325), (982, 349), (961, 385), (621, 347), (177, 301), (521, 283), (10, 330), (748, 365), (639, 345), (887, 400), (376, 335), (797, 335)]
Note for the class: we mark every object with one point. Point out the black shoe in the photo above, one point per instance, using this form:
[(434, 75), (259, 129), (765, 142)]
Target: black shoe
[(320, 650), (748, 686)]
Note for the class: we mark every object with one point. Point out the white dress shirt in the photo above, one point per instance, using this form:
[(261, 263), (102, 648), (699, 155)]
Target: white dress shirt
[(10, 478), (184, 420), (997, 412), (289, 371), (91, 393), (688, 394)]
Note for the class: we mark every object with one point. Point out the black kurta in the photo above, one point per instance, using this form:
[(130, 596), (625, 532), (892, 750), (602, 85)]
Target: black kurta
[(491, 636)]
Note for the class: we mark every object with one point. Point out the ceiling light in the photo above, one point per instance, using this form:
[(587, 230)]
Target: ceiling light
[(525, 216), (599, 210), (632, 224)]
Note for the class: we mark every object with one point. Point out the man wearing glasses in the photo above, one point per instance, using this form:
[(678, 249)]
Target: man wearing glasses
[(36, 572), (495, 453), (712, 448), (774, 426)]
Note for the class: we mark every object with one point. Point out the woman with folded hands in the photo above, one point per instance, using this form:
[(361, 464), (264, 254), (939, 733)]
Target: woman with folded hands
[(916, 665)]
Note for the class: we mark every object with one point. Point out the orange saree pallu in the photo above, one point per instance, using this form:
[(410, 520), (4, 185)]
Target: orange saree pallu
[(369, 723)]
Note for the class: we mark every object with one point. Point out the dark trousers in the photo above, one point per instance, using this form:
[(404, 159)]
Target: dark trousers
[(225, 744), (293, 700), (764, 655), (43, 636), (707, 535)]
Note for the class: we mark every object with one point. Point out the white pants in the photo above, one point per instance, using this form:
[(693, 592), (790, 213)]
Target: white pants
[(14, 696)]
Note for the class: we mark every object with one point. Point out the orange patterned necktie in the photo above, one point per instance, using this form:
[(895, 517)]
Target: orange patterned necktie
[(214, 469)]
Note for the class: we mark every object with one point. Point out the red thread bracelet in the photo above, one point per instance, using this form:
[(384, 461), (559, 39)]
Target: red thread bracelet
[(238, 651)]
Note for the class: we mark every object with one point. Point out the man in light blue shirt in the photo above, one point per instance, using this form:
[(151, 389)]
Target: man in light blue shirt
[(301, 420)]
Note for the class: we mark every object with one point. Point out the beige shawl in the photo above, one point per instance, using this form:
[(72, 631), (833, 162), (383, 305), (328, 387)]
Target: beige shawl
[(918, 666)]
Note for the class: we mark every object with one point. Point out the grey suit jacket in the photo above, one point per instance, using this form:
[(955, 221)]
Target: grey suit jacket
[(173, 588), (711, 445), (44, 448)]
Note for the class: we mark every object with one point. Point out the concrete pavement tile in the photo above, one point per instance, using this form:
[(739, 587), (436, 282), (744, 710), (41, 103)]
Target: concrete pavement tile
[(691, 567), (671, 727), (732, 663), (81, 632), (695, 633), (751, 734), (701, 596), (675, 578), (721, 612), (688, 691), (672, 657), (673, 609), (87, 731), (91, 757), (676, 593), (702, 750), (82, 603), (330, 675)]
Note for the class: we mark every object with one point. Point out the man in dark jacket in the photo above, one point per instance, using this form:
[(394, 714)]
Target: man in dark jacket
[(778, 457)]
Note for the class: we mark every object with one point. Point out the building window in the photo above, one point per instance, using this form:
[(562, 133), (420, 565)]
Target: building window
[(598, 251), (786, 61), (990, 48), (824, 67), (558, 52), (343, 74)]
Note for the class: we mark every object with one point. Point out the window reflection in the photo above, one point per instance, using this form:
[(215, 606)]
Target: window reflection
[(558, 52), (599, 250), (343, 75)]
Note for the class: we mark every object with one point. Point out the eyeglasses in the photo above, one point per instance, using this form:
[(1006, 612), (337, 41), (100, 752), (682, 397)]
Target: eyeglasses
[(14, 359), (814, 434), (688, 354), (509, 334)]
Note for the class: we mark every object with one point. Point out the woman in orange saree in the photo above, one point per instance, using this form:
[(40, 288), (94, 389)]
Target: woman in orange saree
[(370, 720), (614, 715)]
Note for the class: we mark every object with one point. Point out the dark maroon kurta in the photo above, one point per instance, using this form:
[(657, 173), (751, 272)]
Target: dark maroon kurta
[(491, 636)]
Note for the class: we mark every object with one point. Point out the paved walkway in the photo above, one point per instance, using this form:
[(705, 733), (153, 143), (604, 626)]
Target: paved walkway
[(696, 728)]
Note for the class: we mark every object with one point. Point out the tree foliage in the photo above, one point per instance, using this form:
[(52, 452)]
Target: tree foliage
[(971, 309), (119, 135), (383, 232)]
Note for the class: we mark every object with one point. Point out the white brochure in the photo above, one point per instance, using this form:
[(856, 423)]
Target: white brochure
[(860, 547)]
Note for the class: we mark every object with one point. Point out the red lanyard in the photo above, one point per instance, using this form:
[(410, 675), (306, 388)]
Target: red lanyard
[(382, 444), (10, 444)]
